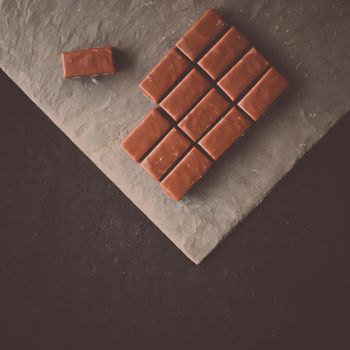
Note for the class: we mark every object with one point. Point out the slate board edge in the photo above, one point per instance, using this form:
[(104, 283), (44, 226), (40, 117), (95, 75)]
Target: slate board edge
[(196, 259)]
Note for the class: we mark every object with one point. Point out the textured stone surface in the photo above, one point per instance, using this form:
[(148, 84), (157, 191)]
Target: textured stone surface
[(306, 41)]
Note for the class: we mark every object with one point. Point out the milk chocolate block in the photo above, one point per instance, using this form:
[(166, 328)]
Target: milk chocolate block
[(165, 153), (185, 94), (201, 34), (164, 75), (243, 73), (189, 170), (224, 133), (145, 135), (219, 57), (264, 92), (199, 97), (86, 62), (204, 114)]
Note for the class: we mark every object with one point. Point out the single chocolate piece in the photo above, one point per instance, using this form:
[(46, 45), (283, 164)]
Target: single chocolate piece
[(224, 133), (165, 153), (190, 169), (219, 57), (145, 135), (92, 61), (185, 94), (263, 93), (164, 75), (201, 34), (243, 73), (204, 114)]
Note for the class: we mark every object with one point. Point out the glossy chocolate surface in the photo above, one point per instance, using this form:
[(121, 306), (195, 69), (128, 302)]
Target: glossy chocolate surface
[(224, 133), (204, 114), (221, 55), (190, 169), (237, 79), (201, 34), (87, 62), (164, 75), (145, 135), (165, 154), (185, 94), (263, 94)]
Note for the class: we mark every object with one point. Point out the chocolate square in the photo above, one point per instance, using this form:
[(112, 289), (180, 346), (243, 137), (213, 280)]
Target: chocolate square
[(166, 153), (93, 61)]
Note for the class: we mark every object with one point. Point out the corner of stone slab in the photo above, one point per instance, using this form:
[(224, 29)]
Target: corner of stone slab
[(195, 258), (197, 261)]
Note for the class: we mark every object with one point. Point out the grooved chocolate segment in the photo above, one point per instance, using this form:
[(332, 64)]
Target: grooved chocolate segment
[(190, 169), (201, 34), (243, 73), (91, 61), (264, 92), (164, 75), (165, 153), (185, 94), (224, 133), (219, 57), (204, 114), (145, 135)]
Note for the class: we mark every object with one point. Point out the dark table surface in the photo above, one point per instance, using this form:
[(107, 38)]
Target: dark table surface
[(83, 268)]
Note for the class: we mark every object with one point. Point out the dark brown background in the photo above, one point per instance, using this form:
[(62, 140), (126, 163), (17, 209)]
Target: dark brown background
[(83, 268)]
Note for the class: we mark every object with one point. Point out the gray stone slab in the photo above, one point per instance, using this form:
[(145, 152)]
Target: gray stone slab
[(307, 40)]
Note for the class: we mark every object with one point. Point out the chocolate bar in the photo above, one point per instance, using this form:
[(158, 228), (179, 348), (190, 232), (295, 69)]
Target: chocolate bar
[(211, 102), (261, 96), (165, 153), (93, 61), (243, 73), (164, 75), (201, 34), (145, 135), (204, 114), (221, 55), (191, 168), (224, 133), (185, 94)]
